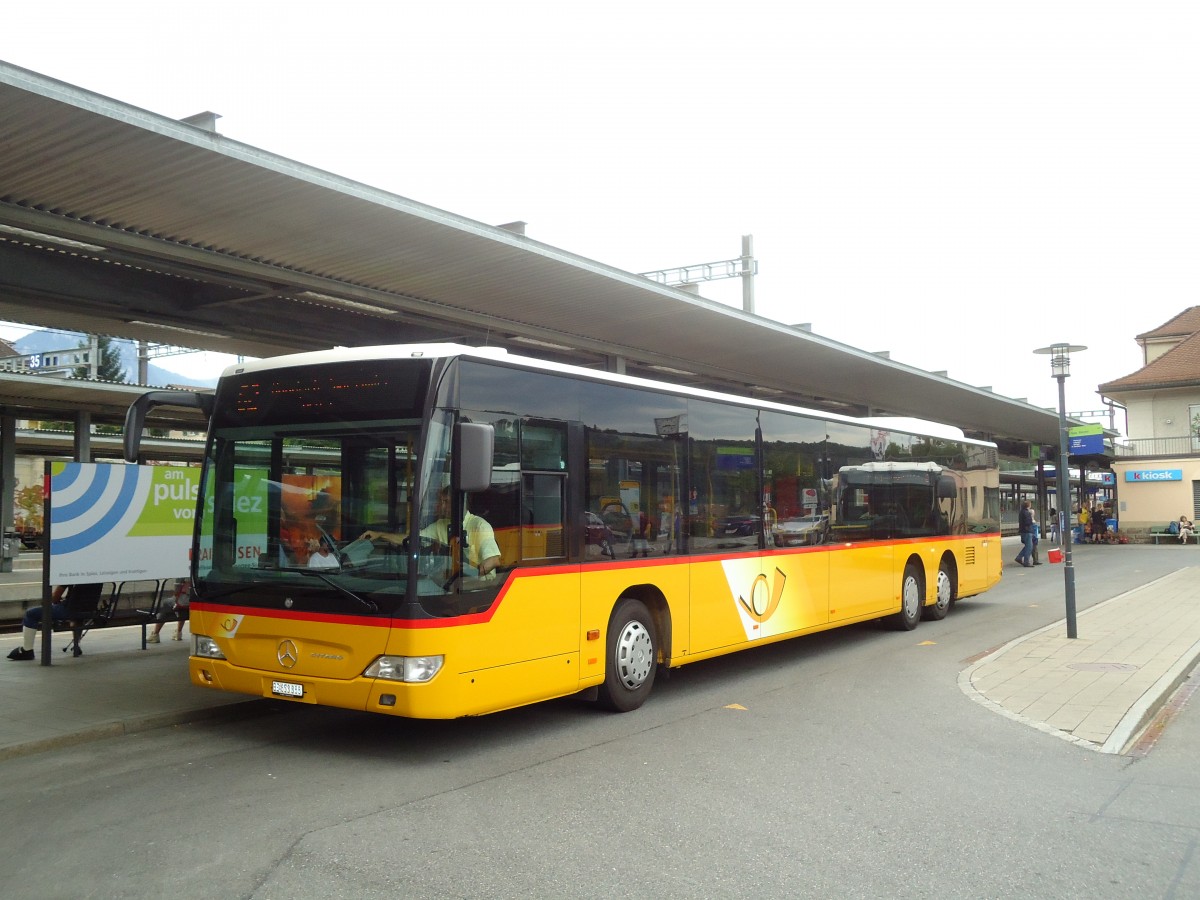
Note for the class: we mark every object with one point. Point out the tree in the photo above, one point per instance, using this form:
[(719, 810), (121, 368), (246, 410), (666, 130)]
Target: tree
[(29, 501), (109, 367)]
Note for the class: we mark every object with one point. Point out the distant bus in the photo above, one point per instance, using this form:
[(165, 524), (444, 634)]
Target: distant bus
[(506, 530)]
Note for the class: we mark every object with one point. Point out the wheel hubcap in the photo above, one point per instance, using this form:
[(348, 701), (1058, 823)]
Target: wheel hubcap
[(634, 655), (943, 594), (912, 597)]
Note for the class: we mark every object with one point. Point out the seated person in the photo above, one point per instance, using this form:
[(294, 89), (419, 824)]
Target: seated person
[(323, 556), (178, 608), (76, 603), (1186, 529), (483, 553)]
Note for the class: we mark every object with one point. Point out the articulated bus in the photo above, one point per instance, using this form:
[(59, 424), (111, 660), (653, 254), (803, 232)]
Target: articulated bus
[(507, 530)]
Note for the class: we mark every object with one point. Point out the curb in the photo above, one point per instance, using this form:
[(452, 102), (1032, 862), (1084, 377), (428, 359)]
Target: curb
[(239, 709), (1142, 713)]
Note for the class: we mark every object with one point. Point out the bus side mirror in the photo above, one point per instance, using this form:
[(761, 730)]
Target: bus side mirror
[(946, 488), (476, 442), (135, 416)]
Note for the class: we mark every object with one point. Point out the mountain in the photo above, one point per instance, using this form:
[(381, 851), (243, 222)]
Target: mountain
[(45, 341)]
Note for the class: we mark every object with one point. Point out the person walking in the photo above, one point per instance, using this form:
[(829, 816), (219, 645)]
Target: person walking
[(1025, 529)]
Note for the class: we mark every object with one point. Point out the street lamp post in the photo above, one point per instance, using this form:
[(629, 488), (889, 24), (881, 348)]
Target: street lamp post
[(1060, 368)]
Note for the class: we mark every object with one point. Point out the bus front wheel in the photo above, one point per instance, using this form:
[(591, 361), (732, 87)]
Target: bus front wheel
[(631, 657), (912, 597)]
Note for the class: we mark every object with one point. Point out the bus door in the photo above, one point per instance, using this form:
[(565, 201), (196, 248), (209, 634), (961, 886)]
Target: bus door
[(861, 562), (730, 602)]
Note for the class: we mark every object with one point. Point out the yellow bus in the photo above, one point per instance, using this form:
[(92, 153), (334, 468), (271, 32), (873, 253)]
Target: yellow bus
[(508, 530)]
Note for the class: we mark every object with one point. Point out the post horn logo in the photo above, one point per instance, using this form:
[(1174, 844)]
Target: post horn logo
[(764, 597)]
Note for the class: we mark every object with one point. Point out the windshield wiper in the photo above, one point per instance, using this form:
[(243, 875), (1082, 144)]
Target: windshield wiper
[(317, 573), (237, 589)]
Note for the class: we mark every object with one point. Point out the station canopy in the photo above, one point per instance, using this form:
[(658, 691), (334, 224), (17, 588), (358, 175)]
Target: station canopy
[(122, 222)]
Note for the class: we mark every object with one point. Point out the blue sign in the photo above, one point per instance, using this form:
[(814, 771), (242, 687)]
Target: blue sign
[(1147, 475), (1086, 444)]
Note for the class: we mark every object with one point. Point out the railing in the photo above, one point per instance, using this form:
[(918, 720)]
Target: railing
[(1188, 445)]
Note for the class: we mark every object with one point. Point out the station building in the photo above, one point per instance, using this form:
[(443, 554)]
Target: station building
[(1158, 468)]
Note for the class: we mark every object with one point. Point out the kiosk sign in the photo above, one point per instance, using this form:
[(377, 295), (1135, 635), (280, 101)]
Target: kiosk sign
[(1147, 475)]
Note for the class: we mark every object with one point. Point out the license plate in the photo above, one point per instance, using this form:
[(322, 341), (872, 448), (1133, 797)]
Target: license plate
[(731, 531), (287, 689)]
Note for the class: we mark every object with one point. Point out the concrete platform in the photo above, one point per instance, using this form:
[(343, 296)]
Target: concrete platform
[(114, 688), (1103, 687)]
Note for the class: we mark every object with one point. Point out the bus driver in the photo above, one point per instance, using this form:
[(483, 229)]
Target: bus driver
[(482, 550)]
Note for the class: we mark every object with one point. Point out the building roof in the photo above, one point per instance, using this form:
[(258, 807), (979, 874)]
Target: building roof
[(118, 221), (1181, 326), (1178, 367), (28, 396)]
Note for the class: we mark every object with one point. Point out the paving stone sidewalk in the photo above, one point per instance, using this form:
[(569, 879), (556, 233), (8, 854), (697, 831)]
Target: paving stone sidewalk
[(1103, 687)]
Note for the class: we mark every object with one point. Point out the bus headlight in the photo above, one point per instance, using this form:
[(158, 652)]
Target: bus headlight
[(206, 646), (409, 669)]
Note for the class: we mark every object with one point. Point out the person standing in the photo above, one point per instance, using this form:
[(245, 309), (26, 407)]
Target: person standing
[(1025, 529), (1099, 525)]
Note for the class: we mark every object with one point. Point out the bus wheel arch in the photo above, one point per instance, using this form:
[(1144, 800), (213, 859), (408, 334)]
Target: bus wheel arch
[(945, 589), (632, 646), (912, 596)]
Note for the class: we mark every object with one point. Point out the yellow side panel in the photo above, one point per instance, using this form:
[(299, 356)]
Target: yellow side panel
[(536, 616), (546, 634), (752, 598), (602, 588), (979, 565), (862, 581), (456, 694)]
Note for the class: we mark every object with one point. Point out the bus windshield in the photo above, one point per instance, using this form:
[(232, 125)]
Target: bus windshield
[(319, 522), (316, 513)]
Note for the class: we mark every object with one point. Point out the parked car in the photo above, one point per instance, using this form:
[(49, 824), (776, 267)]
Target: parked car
[(615, 515), (597, 533), (801, 530), (738, 526)]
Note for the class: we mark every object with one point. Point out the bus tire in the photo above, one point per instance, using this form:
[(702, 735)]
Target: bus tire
[(912, 598), (940, 607), (631, 657)]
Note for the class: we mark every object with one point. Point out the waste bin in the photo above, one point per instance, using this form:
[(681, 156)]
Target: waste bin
[(9, 547)]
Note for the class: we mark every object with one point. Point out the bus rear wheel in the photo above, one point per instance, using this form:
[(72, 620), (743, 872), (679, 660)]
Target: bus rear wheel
[(631, 657), (945, 596), (912, 597)]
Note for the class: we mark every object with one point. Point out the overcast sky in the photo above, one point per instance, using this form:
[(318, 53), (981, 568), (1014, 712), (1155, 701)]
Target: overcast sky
[(957, 183)]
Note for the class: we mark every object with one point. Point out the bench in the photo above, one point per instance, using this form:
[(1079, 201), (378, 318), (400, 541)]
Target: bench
[(110, 611), (1160, 533)]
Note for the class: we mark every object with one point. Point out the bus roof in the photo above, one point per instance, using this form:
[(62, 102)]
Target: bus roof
[(894, 466), (500, 354)]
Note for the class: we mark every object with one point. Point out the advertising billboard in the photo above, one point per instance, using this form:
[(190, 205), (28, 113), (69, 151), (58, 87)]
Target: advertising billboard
[(112, 522)]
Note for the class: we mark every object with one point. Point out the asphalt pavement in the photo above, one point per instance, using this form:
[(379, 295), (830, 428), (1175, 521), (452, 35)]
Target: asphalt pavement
[(1099, 690)]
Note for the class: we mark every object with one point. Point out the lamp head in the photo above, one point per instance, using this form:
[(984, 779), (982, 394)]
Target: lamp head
[(1060, 357)]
